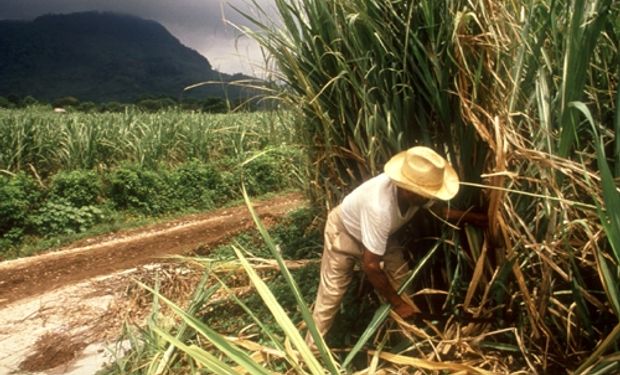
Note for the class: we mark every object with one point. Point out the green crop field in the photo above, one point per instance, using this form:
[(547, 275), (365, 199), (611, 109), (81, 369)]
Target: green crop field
[(64, 174), (37, 138)]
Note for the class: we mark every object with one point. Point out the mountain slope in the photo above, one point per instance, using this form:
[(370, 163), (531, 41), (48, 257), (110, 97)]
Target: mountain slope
[(100, 57)]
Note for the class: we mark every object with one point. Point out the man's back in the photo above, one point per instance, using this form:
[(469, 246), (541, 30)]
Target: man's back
[(371, 213)]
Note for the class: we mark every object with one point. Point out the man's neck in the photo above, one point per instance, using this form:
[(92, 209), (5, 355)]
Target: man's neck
[(403, 203), (407, 199)]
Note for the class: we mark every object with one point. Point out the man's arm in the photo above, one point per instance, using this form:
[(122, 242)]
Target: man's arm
[(457, 216), (378, 279)]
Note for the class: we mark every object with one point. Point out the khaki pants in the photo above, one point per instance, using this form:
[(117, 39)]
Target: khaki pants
[(340, 253)]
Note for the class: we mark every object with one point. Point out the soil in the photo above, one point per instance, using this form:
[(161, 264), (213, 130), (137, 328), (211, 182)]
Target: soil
[(51, 350), (60, 311), (30, 276)]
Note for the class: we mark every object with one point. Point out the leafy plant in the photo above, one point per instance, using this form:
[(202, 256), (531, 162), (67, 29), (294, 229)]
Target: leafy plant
[(144, 190), (60, 217), (301, 234), (5, 103), (195, 183), (262, 174), (79, 187), (19, 196)]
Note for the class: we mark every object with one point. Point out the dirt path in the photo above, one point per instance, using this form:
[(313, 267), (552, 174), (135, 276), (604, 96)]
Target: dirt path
[(61, 312), (28, 277)]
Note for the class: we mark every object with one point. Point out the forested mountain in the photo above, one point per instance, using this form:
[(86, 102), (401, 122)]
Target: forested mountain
[(101, 57)]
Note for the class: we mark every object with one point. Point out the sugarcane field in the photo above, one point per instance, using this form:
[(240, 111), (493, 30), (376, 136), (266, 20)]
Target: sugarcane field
[(310, 187)]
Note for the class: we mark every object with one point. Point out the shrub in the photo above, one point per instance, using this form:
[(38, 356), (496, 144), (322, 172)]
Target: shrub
[(301, 236), (230, 187), (112, 107), (60, 217), (132, 187), (5, 103), (16, 100), (12, 237), (195, 184), (79, 187), (154, 105), (263, 175), (87, 107), (214, 105), (29, 101), (19, 195), (66, 101)]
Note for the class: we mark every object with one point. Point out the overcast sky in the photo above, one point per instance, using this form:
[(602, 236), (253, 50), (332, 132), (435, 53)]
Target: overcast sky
[(199, 24)]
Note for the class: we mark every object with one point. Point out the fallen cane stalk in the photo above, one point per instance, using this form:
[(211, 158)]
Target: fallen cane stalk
[(200, 295)]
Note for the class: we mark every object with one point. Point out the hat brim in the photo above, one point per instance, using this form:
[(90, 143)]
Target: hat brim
[(447, 191)]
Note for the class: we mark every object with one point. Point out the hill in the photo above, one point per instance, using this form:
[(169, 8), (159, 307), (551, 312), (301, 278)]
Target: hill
[(101, 57)]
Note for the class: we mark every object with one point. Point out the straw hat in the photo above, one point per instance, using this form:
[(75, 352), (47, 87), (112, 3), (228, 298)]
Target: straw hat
[(423, 171)]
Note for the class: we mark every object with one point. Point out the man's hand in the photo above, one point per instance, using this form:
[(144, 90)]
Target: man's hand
[(378, 279), (480, 219), (376, 276), (405, 310), (477, 218)]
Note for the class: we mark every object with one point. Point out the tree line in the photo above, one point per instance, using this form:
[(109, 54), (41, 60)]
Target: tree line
[(149, 104)]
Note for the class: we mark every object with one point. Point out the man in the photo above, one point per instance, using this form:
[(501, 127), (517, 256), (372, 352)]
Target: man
[(359, 229)]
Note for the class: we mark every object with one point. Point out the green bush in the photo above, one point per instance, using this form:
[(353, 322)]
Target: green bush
[(302, 237), (195, 185), (29, 101), (73, 201), (6, 103), (263, 175), (79, 187), (60, 217), (154, 105), (132, 187), (19, 195), (87, 107), (66, 101), (9, 239), (112, 107), (214, 105), (230, 187)]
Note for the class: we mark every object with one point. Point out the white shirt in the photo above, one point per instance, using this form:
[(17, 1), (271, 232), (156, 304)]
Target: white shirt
[(370, 213)]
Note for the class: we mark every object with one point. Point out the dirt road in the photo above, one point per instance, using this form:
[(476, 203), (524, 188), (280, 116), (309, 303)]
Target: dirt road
[(61, 312), (28, 277)]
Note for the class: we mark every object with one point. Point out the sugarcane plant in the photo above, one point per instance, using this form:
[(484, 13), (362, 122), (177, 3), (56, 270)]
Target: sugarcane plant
[(500, 88), (521, 97)]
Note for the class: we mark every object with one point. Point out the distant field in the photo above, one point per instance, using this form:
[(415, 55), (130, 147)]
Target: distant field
[(36, 138)]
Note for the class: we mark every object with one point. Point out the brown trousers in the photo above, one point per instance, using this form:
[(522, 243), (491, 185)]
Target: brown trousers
[(340, 253)]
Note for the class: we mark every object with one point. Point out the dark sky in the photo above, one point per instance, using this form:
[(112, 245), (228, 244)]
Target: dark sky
[(199, 24)]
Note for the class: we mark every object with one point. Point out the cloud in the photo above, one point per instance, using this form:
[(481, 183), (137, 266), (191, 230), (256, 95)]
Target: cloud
[(199, 24)]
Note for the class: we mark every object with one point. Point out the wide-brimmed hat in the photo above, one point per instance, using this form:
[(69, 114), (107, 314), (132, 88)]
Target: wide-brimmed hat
[(424, 172)]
